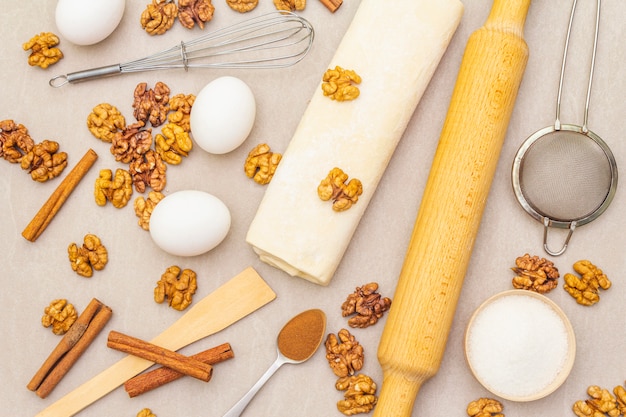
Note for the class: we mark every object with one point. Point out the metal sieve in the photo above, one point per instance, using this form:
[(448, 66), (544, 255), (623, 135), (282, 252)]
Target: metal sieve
[(565, 175)]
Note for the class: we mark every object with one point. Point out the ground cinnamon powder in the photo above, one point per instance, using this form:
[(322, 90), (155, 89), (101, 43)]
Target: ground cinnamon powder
[(302, 335)]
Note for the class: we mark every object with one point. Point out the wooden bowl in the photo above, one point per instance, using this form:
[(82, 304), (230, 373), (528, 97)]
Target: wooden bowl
[(520, 345)]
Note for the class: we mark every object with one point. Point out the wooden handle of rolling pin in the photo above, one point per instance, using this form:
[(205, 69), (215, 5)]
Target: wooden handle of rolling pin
[(417, 328)]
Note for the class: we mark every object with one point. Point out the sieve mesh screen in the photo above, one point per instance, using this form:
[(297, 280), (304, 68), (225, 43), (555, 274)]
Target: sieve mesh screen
[(565, 175)]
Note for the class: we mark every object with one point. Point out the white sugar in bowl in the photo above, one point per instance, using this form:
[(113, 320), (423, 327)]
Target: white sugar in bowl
[(189, 223), (520, 345)]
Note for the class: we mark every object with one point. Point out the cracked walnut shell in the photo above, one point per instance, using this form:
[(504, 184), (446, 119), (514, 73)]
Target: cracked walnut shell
[(261, 164), (535, 274), (178, 286), (92, 255), (367, 304), (485, 407), (344, 353), (43, 51), (60, 315)]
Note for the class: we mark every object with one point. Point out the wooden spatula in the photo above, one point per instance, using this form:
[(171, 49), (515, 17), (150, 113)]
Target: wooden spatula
[(234, 300)]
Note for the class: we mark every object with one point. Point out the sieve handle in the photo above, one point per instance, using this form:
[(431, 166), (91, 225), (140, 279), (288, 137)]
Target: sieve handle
[(546, 226), (557, 123), (85, 75)]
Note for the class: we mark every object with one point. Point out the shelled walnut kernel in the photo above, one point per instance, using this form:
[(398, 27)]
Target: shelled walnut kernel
[(117, 190), (92, 255), (173, 143), (344, 353), (159, 16), (144, 207), (290, 5), (585, 289), (535, 274), (602, 402), (15, 141), (178, 286), (359, 395), (485, 407), (146, 412), (105, 121), (242, 6), (60, 315), (44, 161), (192, 12), (367, 304), (338, 84), (261, 164), (43, 51), (334, 188)]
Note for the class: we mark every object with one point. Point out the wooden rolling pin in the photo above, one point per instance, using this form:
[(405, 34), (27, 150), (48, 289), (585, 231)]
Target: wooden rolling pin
[(417, 328)]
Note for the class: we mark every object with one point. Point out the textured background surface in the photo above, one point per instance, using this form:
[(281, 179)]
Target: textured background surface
[(35, 273)]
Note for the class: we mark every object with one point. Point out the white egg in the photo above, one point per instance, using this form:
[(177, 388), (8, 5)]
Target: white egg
[(222, 115), (189, 223), (86, 22)]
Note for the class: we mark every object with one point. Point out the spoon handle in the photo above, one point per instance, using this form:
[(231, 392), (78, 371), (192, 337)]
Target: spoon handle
[(241, 405)]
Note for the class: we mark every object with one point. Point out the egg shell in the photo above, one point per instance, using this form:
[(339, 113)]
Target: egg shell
[(86, 22), (189, 223), (222, 115)]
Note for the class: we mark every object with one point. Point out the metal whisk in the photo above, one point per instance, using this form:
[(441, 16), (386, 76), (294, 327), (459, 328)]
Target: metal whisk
[(273, 40)]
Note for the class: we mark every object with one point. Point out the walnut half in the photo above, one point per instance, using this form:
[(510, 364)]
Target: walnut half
[(344, 353)]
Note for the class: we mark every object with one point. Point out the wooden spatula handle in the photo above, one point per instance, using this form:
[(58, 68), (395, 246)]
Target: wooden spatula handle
[(439, 251)]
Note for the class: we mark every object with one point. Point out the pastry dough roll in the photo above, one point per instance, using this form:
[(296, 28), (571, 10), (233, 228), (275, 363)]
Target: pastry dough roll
[(395, 48)]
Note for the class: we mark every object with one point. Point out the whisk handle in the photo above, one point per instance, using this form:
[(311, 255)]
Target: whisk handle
[(85, 75)]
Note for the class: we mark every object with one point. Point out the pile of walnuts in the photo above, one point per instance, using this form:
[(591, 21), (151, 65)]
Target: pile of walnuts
[(345, 355), (133, 144), (160, 15), (42, 161)]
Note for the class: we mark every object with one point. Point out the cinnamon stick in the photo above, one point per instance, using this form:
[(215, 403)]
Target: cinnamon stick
[(54, 203), (160, 355), (332, 5), (73, 344), (161, 376)]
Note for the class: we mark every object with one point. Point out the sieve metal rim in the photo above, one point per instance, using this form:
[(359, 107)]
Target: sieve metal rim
[(534, 211)]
